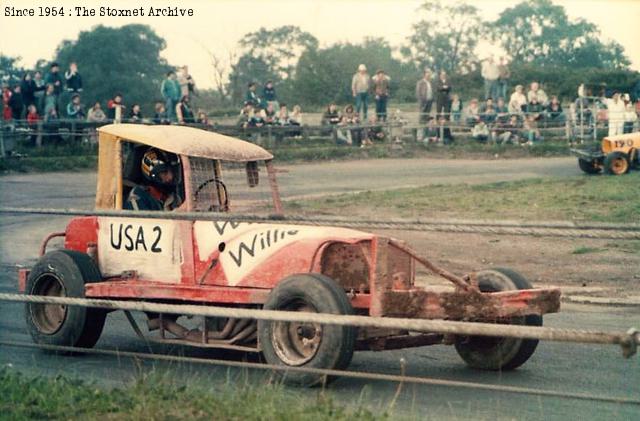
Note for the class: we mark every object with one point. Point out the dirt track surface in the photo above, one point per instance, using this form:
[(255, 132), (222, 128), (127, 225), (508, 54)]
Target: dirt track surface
[(598, 370)]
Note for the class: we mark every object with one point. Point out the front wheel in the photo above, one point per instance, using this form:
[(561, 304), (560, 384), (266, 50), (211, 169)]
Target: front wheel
[(63, 273), (312, 345), (495, 353), (616, 163)]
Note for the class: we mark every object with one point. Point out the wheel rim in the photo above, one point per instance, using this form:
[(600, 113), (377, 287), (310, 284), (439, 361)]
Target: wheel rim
[(48, 318), (619, 166), (296, 343)]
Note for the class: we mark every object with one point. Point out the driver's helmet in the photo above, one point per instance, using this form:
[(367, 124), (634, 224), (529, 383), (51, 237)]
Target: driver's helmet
[(155, 162)]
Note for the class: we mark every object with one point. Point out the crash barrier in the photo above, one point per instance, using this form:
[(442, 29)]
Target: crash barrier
[(573, 229), (629, 341)]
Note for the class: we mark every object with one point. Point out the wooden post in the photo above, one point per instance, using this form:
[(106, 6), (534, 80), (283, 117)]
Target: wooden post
[(39, 128)]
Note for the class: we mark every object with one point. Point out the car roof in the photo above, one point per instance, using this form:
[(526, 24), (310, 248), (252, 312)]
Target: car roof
[(190, 141)]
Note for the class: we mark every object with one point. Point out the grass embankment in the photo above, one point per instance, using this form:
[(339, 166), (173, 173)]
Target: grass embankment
[(586, 198), (157, 398)]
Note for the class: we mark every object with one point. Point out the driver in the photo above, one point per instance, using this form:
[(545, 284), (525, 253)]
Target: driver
[(159, 191)]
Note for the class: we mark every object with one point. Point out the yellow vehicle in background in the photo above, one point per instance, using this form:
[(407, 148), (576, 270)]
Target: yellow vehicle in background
[(616, 155)]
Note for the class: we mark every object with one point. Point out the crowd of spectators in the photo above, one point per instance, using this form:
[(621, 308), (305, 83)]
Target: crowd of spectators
[(498, 116)]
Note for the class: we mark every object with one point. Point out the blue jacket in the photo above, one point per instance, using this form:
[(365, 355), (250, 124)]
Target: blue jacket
[(170, 89)]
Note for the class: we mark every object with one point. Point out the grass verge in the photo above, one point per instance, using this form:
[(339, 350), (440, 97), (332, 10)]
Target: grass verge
[(589, 198), (155, 397)]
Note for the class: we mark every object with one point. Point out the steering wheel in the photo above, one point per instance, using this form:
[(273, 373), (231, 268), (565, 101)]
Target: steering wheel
[(214, 208)]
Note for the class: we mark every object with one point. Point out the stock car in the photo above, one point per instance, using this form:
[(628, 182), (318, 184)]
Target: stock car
[(615, 155), (274, 265)]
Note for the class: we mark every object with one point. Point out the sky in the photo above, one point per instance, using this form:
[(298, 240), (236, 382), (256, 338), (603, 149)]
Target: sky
[(217, 25)]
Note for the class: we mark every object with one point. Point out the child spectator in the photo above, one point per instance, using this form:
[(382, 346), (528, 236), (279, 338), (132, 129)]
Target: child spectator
[(375, 132), (269, 114), (534, 108), (135, 116), (74, 80), (508, 133), (502, 112), (480, 132), (472, 113), (160, 116), (95, 114), (74, 108), (251, 97), (331, 116), (343, 136), (115, 108), (488, 112), (381, 92), (555, 114), (456, 108), (530, 130), (269, 95), (184, 113), (432, 132), (282, 119), (518, 100), (202, 118), (49, 101), (32, 122), (295, 118)]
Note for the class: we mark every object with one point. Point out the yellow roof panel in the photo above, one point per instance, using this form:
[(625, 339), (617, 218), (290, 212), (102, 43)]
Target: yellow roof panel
[(189, 141)]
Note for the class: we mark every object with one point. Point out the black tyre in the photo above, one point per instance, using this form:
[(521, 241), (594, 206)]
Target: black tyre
[(307, 344), (616, 163), (588, 167), (63, 273), (491, 353)]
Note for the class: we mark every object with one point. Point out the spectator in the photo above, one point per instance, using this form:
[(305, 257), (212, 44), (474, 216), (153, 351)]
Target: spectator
[(343, 135), (32, 122), (331, 115), (555, 115), (508, 133), (184, 112), (270, 114), (202, 118), (443, 100), (616, 108), (539, 93), (95, 114), (502, 112), (170, 90), (160, 116), (6, 109), (424, 95), (456, 108), (54, 78), (432, 132), (115, 108), (534, 108), (360, 86), (472, 113), (135, 116), (375, 132), (28, 88), (17, 103), (503, 78), (74, 108), (445, 130), (269, 95), (295, 119), (518, 100), (282, 118), (488, 112), (49, 101), (186, 82), (480, 132), (74, 80), (381, 92), (40, 87), (245, 115), (630, 115), (351, 118), (530, 130), (51, 126), (490, 73), (251, 97)]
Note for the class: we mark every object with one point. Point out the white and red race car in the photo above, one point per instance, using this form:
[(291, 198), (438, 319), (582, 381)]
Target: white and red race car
[(255, 265)]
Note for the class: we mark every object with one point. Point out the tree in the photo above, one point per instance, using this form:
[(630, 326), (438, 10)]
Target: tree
[(537, 31), (111, 60), (10, 72), (279, 48), (446, 37)]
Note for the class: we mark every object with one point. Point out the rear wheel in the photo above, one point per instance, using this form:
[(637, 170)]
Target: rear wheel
[(616, 163), (588, 167), (495, 353), (63, 273), (313, 345)]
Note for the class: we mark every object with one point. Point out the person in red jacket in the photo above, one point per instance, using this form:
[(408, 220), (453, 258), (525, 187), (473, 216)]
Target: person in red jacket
[(6, 109)]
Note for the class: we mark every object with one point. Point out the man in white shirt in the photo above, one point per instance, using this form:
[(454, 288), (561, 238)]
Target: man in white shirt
[(616, 109), (424, 96), (490, 73), (360, 87)]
